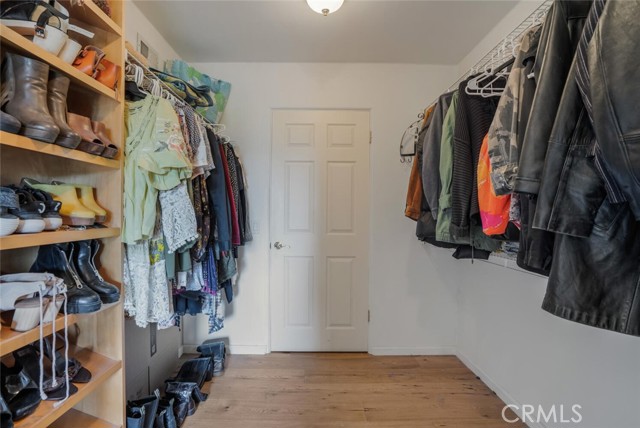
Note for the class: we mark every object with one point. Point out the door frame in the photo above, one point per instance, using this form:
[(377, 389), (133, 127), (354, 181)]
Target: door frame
[(270, 232)]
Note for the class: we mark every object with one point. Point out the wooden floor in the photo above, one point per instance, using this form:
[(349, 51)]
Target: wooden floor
[(296, 390)]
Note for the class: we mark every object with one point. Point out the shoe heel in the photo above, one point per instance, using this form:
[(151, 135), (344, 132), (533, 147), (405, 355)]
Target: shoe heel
[(53, 309), (27, 314)]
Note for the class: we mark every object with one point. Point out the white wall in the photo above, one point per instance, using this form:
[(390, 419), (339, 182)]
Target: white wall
[(412, 309), (144, 372), (529, 356)]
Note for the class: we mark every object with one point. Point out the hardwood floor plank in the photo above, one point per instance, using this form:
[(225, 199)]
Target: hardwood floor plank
[(297, 390)]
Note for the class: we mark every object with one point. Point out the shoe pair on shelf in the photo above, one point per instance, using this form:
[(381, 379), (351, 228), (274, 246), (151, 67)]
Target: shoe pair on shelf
[(34, 104), (28, 298), (20, 394), (27, 210), (79, 207), (91, 61), (75, 263)]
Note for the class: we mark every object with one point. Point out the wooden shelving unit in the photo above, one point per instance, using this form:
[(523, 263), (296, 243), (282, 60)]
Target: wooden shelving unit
[(12, 340), (20, 142), (17, 240), (99, 339)]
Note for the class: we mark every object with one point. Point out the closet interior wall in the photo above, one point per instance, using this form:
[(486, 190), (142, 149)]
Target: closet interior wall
[(144, 371), (525, 354)]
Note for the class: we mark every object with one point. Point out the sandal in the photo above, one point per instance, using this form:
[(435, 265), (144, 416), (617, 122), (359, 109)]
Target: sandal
[(100, 129), (19, 391), (30, 360), (77, 373), (90, 142)]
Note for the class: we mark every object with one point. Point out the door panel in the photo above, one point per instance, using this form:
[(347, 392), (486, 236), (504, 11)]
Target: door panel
[(320, 216)]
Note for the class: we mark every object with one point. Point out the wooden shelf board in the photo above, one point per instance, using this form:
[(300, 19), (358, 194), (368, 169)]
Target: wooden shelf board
[(27, 47), (24, 143), (25, 240), (88, 12), (11, 340), (76, 419), (101, 368)]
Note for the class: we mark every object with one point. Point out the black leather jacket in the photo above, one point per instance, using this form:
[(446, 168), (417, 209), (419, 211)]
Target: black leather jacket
[(558, 41), (615, 91)]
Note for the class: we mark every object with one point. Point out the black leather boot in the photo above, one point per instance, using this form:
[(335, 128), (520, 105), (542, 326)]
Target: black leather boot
[(84, 257), (135, 417), (217, 351), (196, 370), (58, 260), (150, 406), (27, 81), (166, 413), (184, 404), (57, 102)]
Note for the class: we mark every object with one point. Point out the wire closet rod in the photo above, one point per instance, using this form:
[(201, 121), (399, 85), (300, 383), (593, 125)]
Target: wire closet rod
[(536, 15), (164, 86)]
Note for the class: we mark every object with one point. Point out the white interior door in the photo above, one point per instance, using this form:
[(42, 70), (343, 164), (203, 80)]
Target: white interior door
[(319, 230)]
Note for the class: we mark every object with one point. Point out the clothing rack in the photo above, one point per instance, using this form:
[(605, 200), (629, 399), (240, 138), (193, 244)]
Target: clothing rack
[(535, 17), (169, 91)]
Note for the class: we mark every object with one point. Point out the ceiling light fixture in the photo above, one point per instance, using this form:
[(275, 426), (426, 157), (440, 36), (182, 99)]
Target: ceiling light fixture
[(325, 7)]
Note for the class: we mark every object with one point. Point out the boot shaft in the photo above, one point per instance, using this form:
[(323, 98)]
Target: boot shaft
[(29, 79)]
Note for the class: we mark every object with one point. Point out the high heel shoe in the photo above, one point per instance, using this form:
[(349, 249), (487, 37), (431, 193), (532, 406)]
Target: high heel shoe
[(90, 143), (100, 129), (16, 296), (57, 90)]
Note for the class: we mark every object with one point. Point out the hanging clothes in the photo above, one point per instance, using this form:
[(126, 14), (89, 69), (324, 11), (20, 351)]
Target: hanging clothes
[(415, 192)]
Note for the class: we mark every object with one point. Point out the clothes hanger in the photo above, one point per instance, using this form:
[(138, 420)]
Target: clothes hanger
[(409, 135)]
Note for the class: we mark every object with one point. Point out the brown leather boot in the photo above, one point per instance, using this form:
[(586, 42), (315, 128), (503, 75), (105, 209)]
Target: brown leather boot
[(57, 101), (100, 129), (90, 143), (27, 79)]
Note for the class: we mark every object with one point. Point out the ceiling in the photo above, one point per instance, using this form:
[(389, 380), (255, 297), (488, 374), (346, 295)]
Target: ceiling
[(366, 31)]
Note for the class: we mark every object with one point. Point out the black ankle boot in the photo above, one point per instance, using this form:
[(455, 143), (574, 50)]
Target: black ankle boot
[(58, 260), (150, 406), (84, 261)]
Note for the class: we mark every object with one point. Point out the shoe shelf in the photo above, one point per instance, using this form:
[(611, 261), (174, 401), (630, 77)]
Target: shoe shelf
[(101, 368), (25, 143), (11, 340), (28, 48), (75, 418), (86, 12), (26, 240)]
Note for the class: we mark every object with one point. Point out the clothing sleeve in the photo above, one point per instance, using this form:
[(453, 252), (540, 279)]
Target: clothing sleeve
[(462, 177)]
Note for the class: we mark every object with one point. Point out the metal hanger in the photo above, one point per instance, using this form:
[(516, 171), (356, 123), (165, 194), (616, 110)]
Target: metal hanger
[(410, 135)]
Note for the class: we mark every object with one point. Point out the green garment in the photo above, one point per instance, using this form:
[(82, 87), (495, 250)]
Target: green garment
[(478, 238), (154, 161)]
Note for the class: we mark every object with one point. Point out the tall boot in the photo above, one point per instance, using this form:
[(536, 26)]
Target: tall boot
[(108, 293), (184, 404), (58, 89), (150, 406), (217, 351), (165, 407), (135, 417), (58, 260), (9, 123), (27, 80)]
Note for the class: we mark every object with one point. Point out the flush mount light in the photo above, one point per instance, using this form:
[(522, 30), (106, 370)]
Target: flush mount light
[(325, 7)]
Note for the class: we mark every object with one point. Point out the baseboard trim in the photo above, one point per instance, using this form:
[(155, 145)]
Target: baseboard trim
[(444, 350), (234, 349), (495, 387)]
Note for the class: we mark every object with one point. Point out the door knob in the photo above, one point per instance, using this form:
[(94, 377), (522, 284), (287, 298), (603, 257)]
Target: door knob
[(279, 246)]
